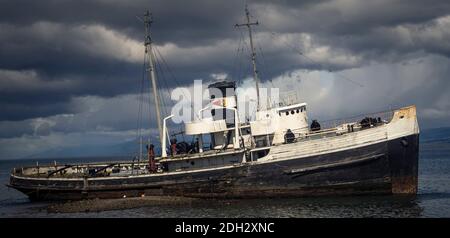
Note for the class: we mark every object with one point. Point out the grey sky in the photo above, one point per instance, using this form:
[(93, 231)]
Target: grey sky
[(71, 70)]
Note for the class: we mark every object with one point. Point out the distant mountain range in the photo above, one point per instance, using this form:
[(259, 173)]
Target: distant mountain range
[(128, 148), (441, 134), (437, 136)]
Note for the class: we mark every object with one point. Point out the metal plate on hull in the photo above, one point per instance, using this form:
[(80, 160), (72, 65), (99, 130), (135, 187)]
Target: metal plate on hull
[(395, 171)]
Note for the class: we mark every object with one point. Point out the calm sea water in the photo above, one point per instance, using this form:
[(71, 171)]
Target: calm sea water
[(433, 199)]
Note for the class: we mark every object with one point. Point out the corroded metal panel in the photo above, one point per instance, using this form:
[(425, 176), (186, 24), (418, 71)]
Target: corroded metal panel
[(394, 171)]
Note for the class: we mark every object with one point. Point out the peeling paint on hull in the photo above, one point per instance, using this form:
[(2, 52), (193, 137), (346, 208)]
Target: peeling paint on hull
[(389, 167)]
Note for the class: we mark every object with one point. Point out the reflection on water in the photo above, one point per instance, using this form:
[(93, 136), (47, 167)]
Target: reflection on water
[(382, 206), (362, 206)]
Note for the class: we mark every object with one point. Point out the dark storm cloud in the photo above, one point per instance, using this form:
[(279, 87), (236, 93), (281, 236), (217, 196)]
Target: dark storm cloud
[(348, 17), (79, 48), (28, 93), (184, 22), (47, 37)]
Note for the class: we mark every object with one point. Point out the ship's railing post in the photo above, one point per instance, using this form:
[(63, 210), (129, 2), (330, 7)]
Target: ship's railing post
[(163, 144), (385, 117), (132, 166), (85, 185), (200, 143), (139, 166), (236, 129)]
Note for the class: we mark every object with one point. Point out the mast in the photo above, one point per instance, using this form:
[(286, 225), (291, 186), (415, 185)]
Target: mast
[(255, 72), (151, 67)]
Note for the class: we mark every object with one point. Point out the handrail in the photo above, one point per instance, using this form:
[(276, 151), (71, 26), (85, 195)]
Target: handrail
[(59, 170), (103, 168), (386, 115)]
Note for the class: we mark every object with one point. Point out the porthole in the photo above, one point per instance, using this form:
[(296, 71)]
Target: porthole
[(287, 113), (292, 112), (298, 111)]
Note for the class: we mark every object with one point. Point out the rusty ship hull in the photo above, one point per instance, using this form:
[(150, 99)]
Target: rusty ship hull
[(383, 168), (378, 160)]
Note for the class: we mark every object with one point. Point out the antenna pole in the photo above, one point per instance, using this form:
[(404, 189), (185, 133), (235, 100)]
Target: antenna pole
[(151, 67), (248, 24)]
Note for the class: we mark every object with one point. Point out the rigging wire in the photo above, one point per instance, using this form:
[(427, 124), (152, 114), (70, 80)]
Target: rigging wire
[(246, 53), (141, 101), (236, 62), (161, 80), (172, 75), (301, 53), (241, 57), (263, 64), (249, 67), (177, 84), (163, 64)]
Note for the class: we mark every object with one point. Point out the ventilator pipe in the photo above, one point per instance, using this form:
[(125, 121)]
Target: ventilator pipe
[(163, 146), (236, 123)]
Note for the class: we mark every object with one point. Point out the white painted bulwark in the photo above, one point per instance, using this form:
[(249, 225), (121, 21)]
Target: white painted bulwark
[(205, 126), (277, 121), (263, 127), (403, 123)]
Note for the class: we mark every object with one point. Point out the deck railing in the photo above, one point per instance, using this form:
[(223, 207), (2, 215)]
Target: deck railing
[(338, 126), (385, 116)]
